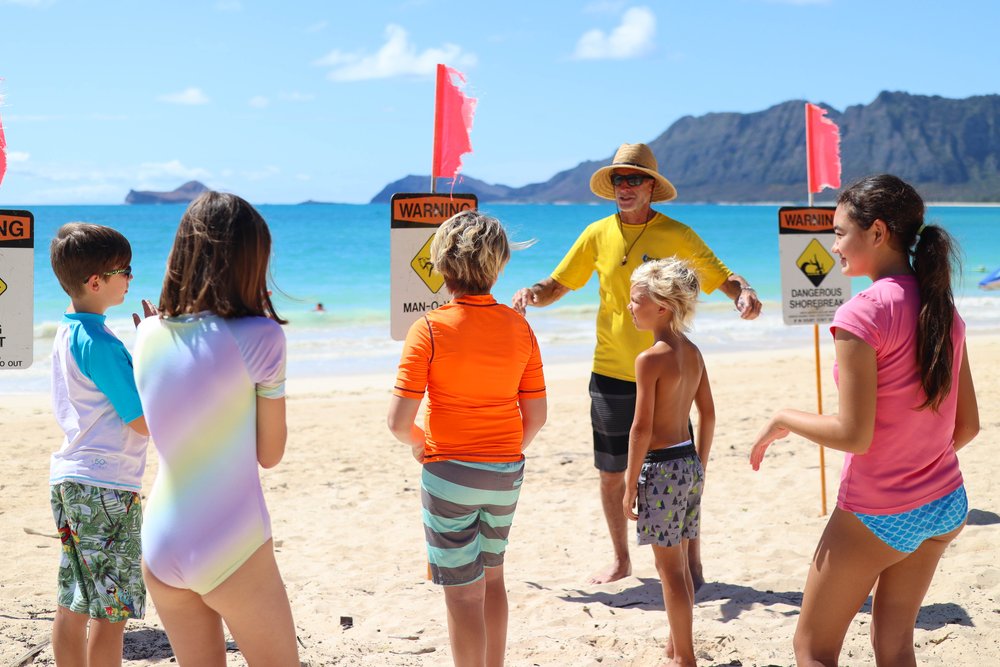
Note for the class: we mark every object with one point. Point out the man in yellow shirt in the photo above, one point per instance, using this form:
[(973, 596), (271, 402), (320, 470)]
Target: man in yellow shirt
[(613, 247)]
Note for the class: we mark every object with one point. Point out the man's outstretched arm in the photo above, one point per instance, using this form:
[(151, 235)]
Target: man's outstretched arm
[(542, 293), (738, 289)]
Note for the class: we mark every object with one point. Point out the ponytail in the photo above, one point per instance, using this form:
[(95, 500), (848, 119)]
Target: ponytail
[(890, 199), (933, 258)]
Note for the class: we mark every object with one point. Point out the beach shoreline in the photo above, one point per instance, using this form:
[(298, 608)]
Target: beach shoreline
[(343, 470)]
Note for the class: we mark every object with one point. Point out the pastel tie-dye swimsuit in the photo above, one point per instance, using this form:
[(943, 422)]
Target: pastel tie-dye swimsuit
[(198, 378)]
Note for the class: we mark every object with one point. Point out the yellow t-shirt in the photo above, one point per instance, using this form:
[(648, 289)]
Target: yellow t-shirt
[(601, 247)]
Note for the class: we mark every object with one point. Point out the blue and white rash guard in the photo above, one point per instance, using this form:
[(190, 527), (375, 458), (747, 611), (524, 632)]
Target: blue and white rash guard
[(94, 399)]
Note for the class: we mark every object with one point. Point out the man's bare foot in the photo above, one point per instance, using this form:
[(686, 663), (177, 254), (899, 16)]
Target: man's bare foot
[(668, 649), (614, 572)]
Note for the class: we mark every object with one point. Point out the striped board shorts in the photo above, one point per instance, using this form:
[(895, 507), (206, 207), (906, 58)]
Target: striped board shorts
[(468, 509), (612, 409)]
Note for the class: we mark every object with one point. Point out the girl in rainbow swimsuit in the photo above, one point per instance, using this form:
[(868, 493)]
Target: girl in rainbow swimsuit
[(907, 404), (211, 376)]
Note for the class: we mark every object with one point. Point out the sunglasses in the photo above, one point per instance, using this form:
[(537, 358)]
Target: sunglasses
[(127, 271), (632, 179)]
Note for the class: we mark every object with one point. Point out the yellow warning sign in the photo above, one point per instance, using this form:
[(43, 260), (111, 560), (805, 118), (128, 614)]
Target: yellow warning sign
[(3, 286), (815, 262), (424, 268)]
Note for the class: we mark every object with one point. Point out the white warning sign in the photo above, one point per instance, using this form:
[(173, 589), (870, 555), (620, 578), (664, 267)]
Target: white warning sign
[(17, 288), (812, 284), (416, 286)]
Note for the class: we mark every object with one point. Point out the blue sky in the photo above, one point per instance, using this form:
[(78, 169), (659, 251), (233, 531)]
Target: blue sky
[(283, 102)]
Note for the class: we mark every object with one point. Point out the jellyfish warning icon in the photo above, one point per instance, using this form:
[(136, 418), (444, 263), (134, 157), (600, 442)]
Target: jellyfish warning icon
[(815, 262)]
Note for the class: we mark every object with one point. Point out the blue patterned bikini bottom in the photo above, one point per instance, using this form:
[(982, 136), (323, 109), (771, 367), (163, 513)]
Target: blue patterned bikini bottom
[(907, 530)]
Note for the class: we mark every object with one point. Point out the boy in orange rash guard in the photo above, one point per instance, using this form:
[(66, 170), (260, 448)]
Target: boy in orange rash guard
[(479, 363)]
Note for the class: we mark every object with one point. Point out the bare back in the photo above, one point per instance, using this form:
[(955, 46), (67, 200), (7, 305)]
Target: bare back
[(675, 371)]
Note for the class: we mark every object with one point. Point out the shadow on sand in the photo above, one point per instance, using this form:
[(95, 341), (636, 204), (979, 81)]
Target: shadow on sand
[(152, 644), (982, 518), (147, 644), (736, 599)]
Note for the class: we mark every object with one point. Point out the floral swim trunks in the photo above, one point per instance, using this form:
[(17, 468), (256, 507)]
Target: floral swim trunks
[(100, 572), (669, 499)]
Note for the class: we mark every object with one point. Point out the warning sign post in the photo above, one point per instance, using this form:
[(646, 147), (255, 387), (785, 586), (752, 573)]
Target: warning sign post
[(17, 288), (415, 286), (812, 285)]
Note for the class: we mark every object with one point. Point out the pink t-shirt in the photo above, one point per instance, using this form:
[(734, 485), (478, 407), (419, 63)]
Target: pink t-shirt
[(911, 460)]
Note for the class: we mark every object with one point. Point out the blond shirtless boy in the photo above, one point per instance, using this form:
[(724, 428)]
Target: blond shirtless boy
[(666, 473)]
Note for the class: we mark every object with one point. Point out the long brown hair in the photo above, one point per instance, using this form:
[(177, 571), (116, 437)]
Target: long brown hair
[(933, 255), (219, 261)]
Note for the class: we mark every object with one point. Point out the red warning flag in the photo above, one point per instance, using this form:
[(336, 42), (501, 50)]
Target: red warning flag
[(452, 123), (822, 150)]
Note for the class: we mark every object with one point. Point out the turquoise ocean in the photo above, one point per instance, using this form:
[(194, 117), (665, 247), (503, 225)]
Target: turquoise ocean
[(338, 254)]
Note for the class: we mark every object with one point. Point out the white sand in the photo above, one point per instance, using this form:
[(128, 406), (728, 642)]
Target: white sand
[(345, 510)]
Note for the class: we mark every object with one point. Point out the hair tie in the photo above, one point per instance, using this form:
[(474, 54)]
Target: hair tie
[(923, 226)]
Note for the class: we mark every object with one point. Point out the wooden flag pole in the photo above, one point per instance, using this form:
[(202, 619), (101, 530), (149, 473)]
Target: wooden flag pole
[(819, 377), (819, 409)]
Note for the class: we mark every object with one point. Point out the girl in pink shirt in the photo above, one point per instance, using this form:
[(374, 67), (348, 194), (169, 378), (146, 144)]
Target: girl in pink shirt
[(907, 404)]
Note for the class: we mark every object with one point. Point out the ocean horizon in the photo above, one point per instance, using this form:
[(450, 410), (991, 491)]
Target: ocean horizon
[(339, 255)]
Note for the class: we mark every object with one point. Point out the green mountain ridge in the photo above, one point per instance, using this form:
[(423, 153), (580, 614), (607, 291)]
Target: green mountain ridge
[(949, 149)]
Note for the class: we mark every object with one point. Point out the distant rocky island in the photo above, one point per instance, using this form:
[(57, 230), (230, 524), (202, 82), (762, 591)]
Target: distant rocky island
[(949, 149), (182, 195)]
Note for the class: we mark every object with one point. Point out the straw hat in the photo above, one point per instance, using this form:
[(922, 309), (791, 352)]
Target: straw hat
[(632, 156)]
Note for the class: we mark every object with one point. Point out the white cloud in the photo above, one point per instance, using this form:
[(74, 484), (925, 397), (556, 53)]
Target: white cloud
[(17, 156), (261, 174), (189, 96), (77, 194), (633, 38), (258, 101), (172, 169), (397, 57), (148, 172), (296, 96)]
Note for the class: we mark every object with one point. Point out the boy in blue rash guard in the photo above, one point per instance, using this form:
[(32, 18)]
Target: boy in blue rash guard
[(96, 475)]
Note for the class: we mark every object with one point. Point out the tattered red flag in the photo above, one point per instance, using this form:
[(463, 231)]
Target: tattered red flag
[(452, 123), (822, 150)]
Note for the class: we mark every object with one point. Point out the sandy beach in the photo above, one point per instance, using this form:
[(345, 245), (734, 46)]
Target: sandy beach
[(345, 509)]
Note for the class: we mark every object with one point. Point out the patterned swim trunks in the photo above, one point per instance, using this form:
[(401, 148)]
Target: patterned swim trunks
[(906, 531), (100, 572), (669, 500)]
